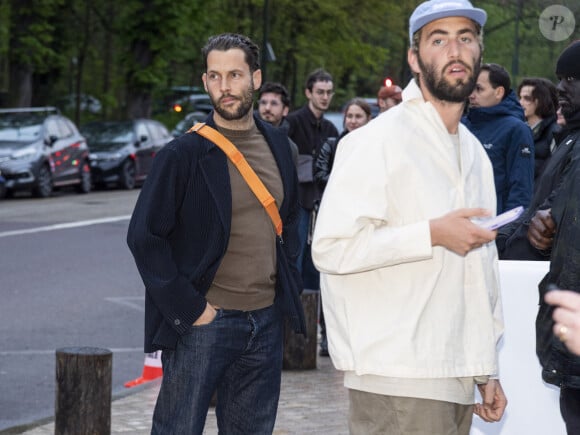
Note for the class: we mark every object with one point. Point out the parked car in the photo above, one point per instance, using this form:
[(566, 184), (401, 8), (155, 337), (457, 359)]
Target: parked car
[(193, 103), (166, 98), (40, 149), (189, 121), (87, 103), (337, 118), (121, 152)]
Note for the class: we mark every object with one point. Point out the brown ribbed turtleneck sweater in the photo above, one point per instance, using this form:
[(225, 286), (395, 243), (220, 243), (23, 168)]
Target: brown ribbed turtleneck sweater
[(246, 277)]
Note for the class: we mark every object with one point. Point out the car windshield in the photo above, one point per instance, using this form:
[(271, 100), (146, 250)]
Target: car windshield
[(22, 126), (108, 135)]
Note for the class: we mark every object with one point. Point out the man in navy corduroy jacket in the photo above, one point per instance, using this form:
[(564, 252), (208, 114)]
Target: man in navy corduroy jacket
[(219, 280)]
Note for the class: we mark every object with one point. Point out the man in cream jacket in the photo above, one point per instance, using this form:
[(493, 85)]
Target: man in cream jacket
[(409, 279)]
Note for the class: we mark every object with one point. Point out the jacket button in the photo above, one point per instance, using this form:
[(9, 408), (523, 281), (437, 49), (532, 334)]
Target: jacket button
[(177, 322)]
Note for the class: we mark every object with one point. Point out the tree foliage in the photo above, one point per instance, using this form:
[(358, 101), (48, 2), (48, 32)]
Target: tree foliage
[(129, 53)]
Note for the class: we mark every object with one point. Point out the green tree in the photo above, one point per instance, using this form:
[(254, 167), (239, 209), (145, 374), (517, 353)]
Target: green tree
[(129, 53), (154, 35), (513, 38), (30, 37)]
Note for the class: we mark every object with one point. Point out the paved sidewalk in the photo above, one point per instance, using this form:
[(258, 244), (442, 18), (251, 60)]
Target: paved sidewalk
[(311, 402)]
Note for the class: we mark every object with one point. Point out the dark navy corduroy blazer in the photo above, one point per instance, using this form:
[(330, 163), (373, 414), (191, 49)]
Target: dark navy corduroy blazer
[(180, 229)]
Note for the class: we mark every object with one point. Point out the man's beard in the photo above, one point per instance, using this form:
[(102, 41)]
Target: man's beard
[(445, 91), (569, 110), (246, 100)]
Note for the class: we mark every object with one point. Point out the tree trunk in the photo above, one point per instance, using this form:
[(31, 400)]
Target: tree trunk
[(20, 88), (108, 59), (139, 94), (20, 84), (139, 104)]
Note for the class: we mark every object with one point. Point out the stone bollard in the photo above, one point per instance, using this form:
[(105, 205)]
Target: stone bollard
[(83, 395), (300, 352)]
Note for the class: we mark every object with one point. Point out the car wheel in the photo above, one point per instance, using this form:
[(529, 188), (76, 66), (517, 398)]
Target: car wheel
[(86, 181), (43, 187), (127, 176)]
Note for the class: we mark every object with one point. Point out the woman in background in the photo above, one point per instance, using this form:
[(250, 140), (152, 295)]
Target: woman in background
[(356, 114), (539, 99)]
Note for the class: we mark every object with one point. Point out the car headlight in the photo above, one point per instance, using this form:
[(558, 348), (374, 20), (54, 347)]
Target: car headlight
[(24, 153)]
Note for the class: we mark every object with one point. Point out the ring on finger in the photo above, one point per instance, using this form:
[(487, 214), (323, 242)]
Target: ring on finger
[(562, 332)]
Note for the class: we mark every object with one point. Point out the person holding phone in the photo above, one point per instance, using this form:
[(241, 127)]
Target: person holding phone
[(410, 283)]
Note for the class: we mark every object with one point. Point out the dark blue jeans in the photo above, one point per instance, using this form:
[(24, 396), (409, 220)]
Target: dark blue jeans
[(239, 355)]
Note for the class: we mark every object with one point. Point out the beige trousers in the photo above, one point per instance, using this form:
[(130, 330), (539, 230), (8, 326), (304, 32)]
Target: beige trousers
[(374, 414)]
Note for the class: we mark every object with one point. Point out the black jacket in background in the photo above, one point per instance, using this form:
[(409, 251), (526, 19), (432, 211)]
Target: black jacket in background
[(325, 160), (560, 366), (544, 133), (309, 133), (512, 240)]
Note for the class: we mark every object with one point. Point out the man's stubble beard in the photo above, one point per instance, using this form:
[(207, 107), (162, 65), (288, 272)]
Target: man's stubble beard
[(247, 102), (445, 91)]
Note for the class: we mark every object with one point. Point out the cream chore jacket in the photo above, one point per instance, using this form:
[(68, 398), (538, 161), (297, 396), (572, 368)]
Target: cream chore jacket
[(394, 305)]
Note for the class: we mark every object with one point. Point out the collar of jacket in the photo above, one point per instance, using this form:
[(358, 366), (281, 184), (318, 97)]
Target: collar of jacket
[(412, 92)]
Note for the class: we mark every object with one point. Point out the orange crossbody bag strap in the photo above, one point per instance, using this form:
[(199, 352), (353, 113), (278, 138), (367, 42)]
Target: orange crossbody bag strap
[(256, 185)]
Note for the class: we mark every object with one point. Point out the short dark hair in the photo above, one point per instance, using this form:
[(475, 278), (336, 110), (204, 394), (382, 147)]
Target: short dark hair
[(227, 41), (318, 75), (278, 89), (498, 76), (545, 92)]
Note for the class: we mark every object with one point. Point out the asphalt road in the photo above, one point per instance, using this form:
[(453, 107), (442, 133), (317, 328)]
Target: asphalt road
[(67, 279)]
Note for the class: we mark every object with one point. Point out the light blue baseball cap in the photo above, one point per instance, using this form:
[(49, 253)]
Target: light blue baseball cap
[(436, 9)]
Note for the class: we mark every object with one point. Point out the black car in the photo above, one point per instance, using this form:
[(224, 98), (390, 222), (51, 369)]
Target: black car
[(121, 152), (40, 149)]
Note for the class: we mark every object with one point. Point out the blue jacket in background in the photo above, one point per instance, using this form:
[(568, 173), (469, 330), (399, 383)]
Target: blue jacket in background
[(509, 143)]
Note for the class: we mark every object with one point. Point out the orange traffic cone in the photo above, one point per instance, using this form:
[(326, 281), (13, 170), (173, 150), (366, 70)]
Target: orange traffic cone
[(151, 370)]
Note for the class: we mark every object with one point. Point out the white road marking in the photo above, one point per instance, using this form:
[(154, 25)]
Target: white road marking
[(134, 302), (65, 226)]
